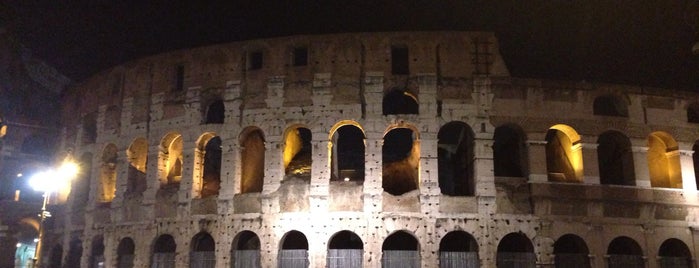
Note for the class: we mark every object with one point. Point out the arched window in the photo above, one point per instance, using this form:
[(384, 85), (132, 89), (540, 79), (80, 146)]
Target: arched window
[(294, 250), (207, 170), (400, 102), (108, 173), (400, 250), (693, 113), (615, 159), (345, 249), (170, 161), (610, 105), (137, 155), (164, 250), (97, 253), (455, 151), (297, 153), (347, 155), (564, 154), (571, 251), (458, 249), (57, 256), (215, 113), (252, 152), (624, 252), (516, 250), (695, 161), (75, 252), (203, 253), (674, 253), (401, 158), (664, 161), (125, 253), (246, 250), (509, 152)]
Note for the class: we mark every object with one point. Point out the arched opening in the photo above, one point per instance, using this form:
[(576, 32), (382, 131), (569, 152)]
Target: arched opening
[(203, 253), (693, 113), (137, 155), (347, 155), (252, 154), (297, 154), (89, 128), (615, 159), (674, 253), (456, 156), (564, 154), (294, 250), (624, 252), (215, 113), (207, 170), (400, 250), (664, 161), (56, 256), (108, 174), (695, 161), (246, 250), (401, 159), (171, 161), (571, 252), (345, 250), (610, 105), (75, 252), (80, 188), (516, 250), (458, 249), (164, 250), (97, 253), (125, 253), (400, 102), (509, 152)]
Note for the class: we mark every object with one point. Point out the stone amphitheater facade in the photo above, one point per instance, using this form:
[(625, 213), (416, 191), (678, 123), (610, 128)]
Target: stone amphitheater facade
[(405, 148)]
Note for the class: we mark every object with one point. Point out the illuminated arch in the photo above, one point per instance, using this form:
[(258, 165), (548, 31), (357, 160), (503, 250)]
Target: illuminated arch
[(252, 154), (108, 174), (170, 159), (293, 250), (297, 152), (664, 161), (401, 160), (137, 156), (345, 249), (564, 161), (400, 249), (245, 251), (347, 149), (207, 166)]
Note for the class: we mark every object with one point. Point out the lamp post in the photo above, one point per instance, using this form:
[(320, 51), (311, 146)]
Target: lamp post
[(47, 182)]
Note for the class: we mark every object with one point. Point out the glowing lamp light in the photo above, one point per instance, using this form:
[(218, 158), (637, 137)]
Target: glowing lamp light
[(53, 180)]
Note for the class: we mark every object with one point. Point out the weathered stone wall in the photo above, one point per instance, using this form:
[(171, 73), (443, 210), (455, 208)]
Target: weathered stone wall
[(345, 81)]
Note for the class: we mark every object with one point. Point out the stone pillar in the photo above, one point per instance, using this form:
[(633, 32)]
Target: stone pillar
[(192, 106), (274, 173), (154, 172), (229, 173), (126, 115), (373, 94), (427, 87), (373, 170), (122, 173), (590, 164), (640, 164), (184, 193), (689, 181), (537, 160), (320, 174)]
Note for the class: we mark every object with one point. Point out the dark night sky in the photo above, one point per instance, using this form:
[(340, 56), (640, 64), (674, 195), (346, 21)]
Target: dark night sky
[(622, 41)]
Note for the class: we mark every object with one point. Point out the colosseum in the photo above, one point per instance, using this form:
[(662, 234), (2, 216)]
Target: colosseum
[(397, 149)]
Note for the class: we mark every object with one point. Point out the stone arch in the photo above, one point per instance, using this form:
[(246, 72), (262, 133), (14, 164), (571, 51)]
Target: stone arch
[(203, 251), (347, 151), (615, 159), (293, 250), (571, 251), (164, 249), (456, 159), (97, 253), (345, 249), (297, 152), (693, 112), (624, 252), (137, 155), (458, 249), (516, 250), (207, 166), (400, 249), (170, 160), (399, 101), (252, 154), (55, 256), (674, 253), (664, 161), (510, 151), (126, 251), (215, 112), (108, 174), (75, 252), (564, 161), (610, 105), (245, 251), (401, 155), (89, 128)]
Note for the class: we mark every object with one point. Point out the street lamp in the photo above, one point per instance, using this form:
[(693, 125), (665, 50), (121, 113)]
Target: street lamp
[(47, 182)]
